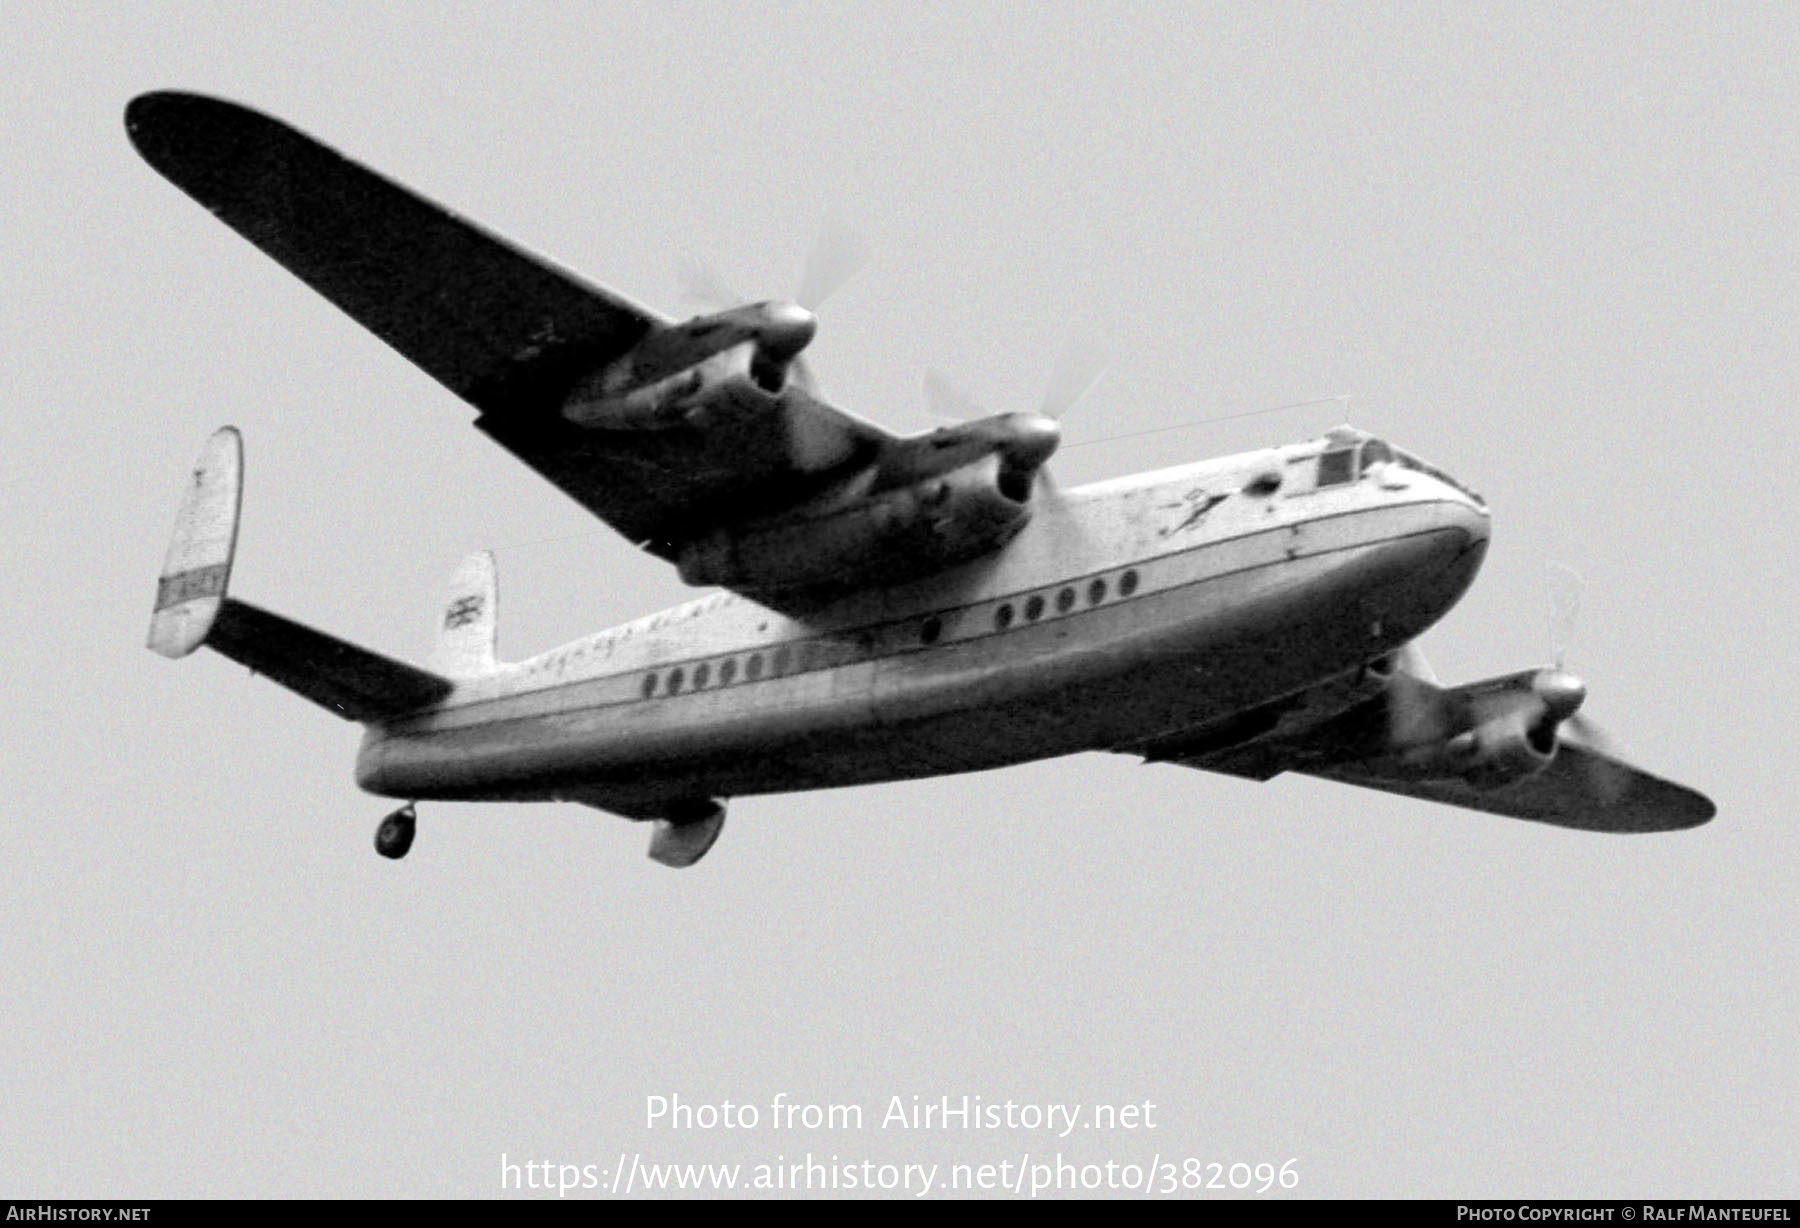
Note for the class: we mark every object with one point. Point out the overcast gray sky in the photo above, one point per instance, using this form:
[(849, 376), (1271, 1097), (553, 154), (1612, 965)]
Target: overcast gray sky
[(1552, 251)]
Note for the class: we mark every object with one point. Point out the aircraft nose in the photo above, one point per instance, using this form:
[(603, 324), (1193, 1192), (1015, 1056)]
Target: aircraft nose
[(1472, 518), (1471, 515)]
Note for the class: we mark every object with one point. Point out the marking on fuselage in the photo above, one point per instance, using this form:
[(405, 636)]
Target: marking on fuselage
[(1199, 502)]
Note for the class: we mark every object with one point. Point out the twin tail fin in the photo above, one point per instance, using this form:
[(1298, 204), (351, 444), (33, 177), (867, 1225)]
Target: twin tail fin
[(193, 608)]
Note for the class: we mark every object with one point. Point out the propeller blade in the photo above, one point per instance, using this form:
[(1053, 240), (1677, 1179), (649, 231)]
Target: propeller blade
[(1557, 687), (1565, 604), (1415, 708), (1411, 658), (836, 256), (1606, 770), (702, 286), (948, 403), (1078, 368)]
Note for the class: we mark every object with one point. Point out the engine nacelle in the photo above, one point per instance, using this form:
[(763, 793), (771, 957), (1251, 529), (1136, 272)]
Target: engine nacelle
[(888, 538), (1507, 729), (665, 378), (1503, 749)]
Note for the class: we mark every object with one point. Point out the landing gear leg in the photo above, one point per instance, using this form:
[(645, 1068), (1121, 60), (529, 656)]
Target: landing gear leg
[(395, 835)]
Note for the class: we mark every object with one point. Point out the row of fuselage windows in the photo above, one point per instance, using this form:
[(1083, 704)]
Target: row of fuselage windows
[(819, 654)]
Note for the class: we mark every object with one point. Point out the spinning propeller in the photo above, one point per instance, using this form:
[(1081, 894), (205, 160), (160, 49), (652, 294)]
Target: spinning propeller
[(1609, 779), (1025, 440), (1550, 702), (837, 254)]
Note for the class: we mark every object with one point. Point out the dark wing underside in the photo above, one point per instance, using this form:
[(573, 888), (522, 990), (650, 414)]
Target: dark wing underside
[(470, 309), (1581, 787), (505, 330)]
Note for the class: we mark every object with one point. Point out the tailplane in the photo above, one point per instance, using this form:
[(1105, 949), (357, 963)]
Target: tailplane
[(193, 608)]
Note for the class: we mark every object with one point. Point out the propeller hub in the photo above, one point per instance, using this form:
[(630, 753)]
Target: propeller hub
[(785, 329), (1560, 692), (1028, 440)]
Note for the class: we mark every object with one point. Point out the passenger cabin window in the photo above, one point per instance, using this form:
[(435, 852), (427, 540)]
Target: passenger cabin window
[(1337, 467)]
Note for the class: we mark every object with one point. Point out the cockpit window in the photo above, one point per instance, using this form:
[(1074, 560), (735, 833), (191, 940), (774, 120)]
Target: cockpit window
[(1337, 466), (1349, 455), (1412, 462)]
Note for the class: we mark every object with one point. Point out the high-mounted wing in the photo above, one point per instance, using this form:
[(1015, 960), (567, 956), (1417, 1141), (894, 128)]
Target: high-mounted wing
[(1507, 746), (623, 410)]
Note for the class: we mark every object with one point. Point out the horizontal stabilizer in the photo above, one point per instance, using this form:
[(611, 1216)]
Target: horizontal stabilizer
[(192, 609), (353, 682)]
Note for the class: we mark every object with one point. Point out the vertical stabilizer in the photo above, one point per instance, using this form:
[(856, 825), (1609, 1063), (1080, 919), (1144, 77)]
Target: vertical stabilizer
[(196, 570), (192, 608), (467, 635)]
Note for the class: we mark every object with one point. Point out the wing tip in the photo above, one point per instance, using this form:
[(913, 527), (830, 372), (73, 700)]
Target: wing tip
[(155, 111), (1697, 810), (169, 127), (1656, 805)]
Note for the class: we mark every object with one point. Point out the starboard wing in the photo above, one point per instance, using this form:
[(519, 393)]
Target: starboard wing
[(1581, 788), (1399, 739)]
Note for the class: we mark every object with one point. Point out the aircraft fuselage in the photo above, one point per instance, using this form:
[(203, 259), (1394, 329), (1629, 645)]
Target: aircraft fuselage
[(1125, 611)]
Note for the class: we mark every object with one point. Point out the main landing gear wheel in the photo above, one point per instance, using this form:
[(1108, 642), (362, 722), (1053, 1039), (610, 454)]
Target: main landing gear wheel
[(395, 835), (682, 836)]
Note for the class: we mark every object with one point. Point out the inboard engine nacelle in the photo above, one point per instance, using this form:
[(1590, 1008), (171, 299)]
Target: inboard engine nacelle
[(898, 535), (1507, 730)]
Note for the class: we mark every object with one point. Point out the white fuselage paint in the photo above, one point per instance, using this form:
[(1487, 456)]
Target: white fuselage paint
[(1124, 611)]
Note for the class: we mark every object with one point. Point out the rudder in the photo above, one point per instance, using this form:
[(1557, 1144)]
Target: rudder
[(468, 633), (196, 571)]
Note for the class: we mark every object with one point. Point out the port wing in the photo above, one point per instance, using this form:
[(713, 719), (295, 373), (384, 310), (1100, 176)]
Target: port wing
[(508, 331)]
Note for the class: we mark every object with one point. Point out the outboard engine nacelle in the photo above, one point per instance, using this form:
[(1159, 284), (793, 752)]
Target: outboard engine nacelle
[(660, 381)]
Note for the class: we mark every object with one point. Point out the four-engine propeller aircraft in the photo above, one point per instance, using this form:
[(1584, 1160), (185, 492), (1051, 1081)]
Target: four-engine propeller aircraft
[(894, 606)]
